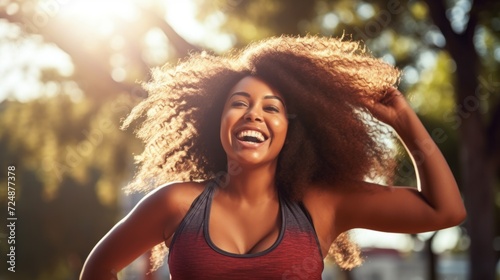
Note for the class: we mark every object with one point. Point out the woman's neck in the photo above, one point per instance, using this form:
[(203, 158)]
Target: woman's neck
[(252, 185)]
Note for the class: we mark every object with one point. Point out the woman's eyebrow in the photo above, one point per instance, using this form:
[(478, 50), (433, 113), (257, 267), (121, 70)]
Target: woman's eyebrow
[(247, 95), (240, 93), (275, 97)]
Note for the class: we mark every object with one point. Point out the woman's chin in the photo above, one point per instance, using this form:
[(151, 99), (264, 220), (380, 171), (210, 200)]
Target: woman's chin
[(252, 159)]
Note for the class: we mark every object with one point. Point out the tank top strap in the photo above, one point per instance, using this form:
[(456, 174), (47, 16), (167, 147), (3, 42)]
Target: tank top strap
[(194, 218), (298, 219)]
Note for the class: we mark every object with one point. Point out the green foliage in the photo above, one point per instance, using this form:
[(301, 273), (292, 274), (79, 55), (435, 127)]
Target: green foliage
[(259, 19), (71, 161)]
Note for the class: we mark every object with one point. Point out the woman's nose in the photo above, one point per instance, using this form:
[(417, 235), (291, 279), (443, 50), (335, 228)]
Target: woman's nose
[(253, 114)]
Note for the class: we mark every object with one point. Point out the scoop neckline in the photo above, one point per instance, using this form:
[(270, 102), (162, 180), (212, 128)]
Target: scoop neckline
[(236, 255)]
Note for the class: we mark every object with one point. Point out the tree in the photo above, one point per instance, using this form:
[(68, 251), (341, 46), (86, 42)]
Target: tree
[(480, 146), (71, 159), (68, 161)]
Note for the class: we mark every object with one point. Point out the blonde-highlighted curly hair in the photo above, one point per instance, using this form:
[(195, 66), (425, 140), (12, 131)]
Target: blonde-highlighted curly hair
[(327, 84)]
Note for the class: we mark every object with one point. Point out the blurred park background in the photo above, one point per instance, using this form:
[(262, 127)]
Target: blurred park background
[(69, 72)]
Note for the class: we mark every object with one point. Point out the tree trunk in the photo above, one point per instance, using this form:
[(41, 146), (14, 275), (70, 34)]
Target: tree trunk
[(477, 168), (477, 175), (347, 275), (431, 259), (478, 191)]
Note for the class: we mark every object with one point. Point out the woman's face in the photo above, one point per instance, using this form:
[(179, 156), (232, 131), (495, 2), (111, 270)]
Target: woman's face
[(253, 122)]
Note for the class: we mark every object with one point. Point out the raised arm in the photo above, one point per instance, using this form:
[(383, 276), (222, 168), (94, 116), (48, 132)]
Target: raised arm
[(435, 180), (155, 216), (436, 205)]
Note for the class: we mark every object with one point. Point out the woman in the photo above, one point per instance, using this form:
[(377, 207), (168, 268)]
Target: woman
[(277, 149)]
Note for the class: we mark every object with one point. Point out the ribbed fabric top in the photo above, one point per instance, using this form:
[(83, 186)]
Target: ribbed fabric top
[(295, 254)]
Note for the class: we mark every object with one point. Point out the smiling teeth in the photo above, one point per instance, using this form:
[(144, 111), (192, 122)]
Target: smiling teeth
[(251, 133)]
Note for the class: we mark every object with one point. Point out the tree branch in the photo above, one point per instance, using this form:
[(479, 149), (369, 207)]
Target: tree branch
[(180, 44), (92, 71), (437, 11)]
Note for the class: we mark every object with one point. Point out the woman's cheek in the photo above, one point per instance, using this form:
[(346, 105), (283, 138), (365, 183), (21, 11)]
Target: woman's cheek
[(280, 127)]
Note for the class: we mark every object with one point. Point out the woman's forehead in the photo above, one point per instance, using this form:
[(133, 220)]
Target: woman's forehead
[(254, 85)]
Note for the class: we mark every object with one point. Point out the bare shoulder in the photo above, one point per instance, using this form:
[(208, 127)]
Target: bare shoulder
[(180, 190), (176, 196), (155, 217), (174, 200)]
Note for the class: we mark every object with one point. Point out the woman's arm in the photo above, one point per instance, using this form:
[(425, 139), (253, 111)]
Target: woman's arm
[(436, 205), (156, 215), (435, 181)]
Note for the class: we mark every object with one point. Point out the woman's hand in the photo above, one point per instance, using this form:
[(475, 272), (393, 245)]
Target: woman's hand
[(392, 109)]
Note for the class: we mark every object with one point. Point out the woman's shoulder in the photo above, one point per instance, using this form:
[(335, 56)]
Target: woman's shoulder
[(176, 199), (178, 193)]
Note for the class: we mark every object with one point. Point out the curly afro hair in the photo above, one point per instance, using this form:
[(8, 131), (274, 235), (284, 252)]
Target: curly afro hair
[(327, 84)]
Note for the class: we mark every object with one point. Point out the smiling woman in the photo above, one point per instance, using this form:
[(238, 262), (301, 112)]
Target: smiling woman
[(270, 155), (253, 122)]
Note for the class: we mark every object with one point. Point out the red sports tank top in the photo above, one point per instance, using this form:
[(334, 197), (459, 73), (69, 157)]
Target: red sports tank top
[(296, 253)]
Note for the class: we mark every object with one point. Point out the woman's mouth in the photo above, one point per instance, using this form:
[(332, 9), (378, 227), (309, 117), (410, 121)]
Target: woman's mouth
[(251, 136)]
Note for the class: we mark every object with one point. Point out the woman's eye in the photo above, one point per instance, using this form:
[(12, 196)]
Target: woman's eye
[(238, 104), (273, 109)]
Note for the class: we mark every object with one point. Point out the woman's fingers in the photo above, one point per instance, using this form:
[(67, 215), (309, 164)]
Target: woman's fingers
[(389, 107)]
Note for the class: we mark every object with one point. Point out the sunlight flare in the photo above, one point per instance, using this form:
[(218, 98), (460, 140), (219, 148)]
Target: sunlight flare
[(97, 11)]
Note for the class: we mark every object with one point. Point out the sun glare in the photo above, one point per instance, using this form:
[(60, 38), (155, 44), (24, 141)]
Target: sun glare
[(96, 11), (180, 14)]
